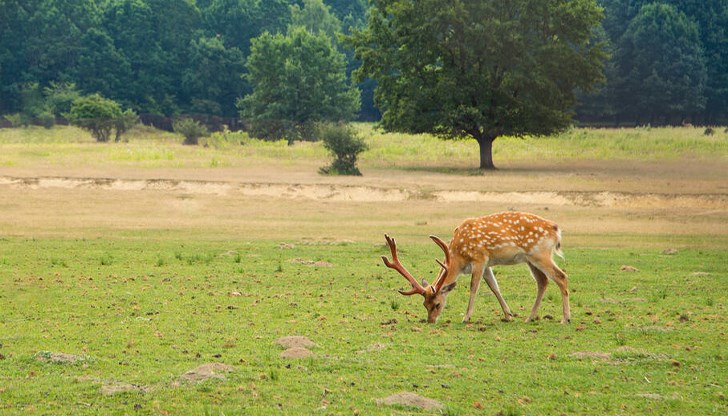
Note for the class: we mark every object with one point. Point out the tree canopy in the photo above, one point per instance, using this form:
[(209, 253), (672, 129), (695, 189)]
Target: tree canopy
[(663, 73), (479, 68), (664, 51), (170, 57), (298, 78)]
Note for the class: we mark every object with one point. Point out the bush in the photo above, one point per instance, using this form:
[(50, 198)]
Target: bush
[(46, 119), (96, 114), (18, 119), (125, 121), (192, 130), (344, 145)]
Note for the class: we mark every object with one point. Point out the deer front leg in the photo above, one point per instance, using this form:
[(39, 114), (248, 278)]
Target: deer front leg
[(474, 285), (490, 280)]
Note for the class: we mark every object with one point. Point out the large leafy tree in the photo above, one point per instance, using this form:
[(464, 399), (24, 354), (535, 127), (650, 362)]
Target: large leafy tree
[(480, 68), (298, 78), (660, 64)]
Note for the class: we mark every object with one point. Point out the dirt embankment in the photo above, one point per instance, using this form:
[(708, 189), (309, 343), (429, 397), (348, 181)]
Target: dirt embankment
[(355, 193)]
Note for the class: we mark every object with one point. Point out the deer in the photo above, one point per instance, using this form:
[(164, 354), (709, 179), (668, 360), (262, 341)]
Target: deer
[(478, 244)]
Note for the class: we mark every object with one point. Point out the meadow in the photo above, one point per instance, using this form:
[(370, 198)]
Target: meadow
[(124, 266)]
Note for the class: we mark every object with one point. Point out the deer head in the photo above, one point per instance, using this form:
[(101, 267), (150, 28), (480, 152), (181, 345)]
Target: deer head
[(435, 294)]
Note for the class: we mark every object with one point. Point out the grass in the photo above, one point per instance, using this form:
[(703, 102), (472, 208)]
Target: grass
[(143, 312), (153, 290), (69, 146)]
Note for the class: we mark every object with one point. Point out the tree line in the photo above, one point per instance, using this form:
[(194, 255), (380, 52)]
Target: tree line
[(162, 57), (281, 63), (668, 65)]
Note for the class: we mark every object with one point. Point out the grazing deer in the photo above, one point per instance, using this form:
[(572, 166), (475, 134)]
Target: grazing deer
[(480, 243)]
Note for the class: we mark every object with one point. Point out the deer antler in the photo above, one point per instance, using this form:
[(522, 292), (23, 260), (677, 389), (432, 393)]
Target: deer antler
[(441, 279), (396, 265)]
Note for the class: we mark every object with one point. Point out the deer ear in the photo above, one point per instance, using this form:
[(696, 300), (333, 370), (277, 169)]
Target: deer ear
[(424, 283), (446, 289)]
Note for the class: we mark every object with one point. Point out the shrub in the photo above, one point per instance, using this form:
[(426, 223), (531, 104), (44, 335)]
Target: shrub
[(96, 114), (18, 119), (46, 119), (59, 97), (709, 131), (344, 145), (125, 121), (192, 130)]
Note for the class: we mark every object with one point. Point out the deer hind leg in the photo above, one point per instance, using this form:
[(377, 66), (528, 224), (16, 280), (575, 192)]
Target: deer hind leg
[(542, 281), (553, 272), (493, 284)]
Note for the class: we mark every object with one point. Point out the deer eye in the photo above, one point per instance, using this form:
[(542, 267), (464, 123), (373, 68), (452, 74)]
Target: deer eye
[(437, 306)]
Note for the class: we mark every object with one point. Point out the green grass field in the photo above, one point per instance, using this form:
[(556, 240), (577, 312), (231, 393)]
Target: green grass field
[(142, 313), (108, 317)]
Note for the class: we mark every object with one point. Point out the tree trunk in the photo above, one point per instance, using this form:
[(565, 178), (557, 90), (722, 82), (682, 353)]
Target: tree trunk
[(486, 152)]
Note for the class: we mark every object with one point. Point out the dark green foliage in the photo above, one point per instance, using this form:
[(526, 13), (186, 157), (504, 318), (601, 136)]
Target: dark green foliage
[(478, 69), (46, 119), (96, 114), (213, 76), (345, 145), (125, 121), (172, 57), (59, 96), (661, 73), (192, 130), (298, 79), (685, 44)]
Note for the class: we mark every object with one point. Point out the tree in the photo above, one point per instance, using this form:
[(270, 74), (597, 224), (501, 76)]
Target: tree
[(710, 18), (239, 21), (41, 41), (153, 36), (479, 68), (660, 66), (298, 79), (96, 114), (317, 18), (212, 76)]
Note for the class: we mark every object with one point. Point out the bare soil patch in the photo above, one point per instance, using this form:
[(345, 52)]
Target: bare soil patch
[(210, 371), (59, 357), (294, 341), (117, 388), (409, 399), (296, 353), (296, 347)]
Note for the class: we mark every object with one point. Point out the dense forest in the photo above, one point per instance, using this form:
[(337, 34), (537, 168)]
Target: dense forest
[(668, 59)]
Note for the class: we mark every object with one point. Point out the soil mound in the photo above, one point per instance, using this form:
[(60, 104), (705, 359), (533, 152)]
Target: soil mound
[(297, 353), (207, 372), (294, 341), (411, 400)]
